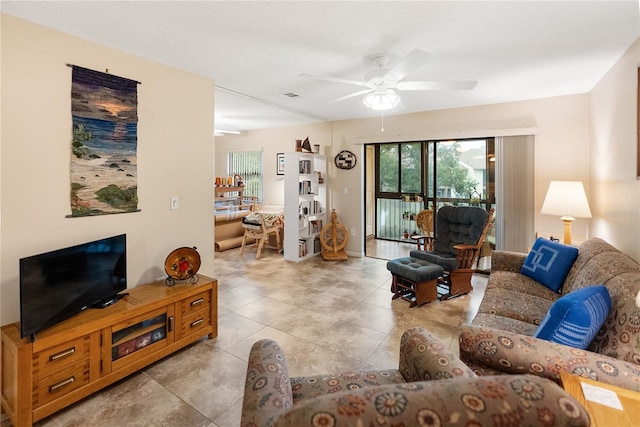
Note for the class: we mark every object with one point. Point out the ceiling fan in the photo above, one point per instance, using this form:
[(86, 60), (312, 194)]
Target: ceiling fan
[(381, 81)]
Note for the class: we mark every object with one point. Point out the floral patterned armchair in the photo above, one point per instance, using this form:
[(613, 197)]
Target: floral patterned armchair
[(430, 387)]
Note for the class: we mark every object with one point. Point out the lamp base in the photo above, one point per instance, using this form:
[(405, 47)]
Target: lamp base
[(567, 229)]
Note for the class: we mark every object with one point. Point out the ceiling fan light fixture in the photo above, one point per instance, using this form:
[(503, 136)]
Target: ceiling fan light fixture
[(381, 100)]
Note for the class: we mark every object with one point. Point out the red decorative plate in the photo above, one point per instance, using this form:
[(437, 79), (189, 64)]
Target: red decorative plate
[(182, 264)]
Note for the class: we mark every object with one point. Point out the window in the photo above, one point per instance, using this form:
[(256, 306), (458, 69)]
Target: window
[(247, 164), (400, 168), (412, 176)]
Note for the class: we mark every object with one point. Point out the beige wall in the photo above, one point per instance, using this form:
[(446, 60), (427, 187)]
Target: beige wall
[(175, 156), (561, 123), (270, 142), (615, 198)]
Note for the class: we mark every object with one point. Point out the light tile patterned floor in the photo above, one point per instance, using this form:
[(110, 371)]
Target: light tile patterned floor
[(327, 315)]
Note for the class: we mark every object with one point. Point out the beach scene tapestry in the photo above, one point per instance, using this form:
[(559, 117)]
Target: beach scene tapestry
[(104, 110)]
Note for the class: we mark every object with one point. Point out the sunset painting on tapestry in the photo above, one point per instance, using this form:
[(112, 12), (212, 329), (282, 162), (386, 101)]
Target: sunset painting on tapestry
[(105, 138)]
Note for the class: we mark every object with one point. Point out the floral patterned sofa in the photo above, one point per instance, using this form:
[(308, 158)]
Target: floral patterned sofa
[(431, 387), (500, 338)]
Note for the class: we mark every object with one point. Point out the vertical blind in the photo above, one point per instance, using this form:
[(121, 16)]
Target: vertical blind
[(515, 183), (247, 164)]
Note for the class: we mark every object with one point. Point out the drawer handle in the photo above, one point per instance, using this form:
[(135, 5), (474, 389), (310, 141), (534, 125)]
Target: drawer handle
[(61, 384), (196, 322), (62, 354), (170, 325), (197, 302)]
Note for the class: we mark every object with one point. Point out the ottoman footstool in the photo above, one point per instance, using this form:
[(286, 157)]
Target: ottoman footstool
[(414, 280)]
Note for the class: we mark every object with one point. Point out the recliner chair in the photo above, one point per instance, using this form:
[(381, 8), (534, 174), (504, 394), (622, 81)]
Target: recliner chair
[(460, 233)]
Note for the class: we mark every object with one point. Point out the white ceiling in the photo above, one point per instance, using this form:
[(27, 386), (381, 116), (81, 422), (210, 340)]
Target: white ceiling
[(255, 50)]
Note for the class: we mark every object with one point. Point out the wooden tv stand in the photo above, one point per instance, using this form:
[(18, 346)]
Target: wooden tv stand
[(98, 347)]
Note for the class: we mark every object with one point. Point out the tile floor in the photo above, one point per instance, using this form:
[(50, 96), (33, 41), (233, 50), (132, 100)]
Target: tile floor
[(327, 315)]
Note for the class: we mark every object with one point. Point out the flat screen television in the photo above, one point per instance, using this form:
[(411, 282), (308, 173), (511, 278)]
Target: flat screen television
[(59, 284)]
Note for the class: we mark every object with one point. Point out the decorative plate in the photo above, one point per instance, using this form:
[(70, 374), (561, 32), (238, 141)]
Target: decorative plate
[(182, 264), (345, 160)]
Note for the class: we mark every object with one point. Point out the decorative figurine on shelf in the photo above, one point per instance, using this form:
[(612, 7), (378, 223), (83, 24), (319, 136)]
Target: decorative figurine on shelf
[(334, 238), (299, 145), (182, 264), (306, 145)]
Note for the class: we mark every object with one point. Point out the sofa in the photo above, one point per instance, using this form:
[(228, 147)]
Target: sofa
[(430, 387), (500, 338)]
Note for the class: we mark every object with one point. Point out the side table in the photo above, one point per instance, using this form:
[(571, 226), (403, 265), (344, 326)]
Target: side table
[(600, 399)]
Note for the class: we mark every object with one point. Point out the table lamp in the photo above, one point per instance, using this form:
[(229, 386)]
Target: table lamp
[(568, 200)]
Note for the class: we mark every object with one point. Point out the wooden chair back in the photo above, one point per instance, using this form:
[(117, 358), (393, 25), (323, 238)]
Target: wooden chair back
[(468, 254), (424, 221)]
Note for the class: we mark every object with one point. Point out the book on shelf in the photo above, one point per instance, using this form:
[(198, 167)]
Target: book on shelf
[(143, 340), (315, 226), (310, 207), (304, 188), (306, 166), (302, 248), (126, 348)]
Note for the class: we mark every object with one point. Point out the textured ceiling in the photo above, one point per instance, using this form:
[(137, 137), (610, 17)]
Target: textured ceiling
[(255, 51)]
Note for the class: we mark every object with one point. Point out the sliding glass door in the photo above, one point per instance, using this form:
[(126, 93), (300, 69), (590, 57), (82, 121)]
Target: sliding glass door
[(412, 176)]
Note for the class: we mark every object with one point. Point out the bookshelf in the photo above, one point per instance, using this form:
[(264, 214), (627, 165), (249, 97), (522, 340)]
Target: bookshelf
[(305, 204)]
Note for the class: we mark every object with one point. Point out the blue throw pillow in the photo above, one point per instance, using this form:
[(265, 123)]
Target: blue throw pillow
[(576, 318), (549, 263)]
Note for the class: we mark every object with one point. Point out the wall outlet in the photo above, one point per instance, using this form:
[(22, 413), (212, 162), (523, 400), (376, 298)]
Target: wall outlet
[(175, 202)]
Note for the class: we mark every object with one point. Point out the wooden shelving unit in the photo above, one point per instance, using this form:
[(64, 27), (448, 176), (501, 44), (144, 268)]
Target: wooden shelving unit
[(98, 347), (233, 197)]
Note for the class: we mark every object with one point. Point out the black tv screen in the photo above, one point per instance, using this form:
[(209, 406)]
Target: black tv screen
[(58, 284)]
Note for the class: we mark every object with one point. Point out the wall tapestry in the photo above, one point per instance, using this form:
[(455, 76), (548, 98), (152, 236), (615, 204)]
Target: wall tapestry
[(105, 138)]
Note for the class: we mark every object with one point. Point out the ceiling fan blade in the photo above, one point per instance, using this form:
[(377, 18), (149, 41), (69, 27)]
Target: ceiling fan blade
[(332, 79), (437, 85), (414, 60), (351, 95)]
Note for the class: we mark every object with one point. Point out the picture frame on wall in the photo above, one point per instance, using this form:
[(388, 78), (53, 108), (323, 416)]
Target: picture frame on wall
[(280, 163)]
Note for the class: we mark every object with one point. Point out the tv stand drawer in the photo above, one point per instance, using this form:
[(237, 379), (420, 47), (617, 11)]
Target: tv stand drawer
[(54, 358), (59, 383), (194, 322), (196, 303)]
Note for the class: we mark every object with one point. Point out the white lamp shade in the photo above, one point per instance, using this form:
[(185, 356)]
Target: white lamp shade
[(566, 199), (381, 100)]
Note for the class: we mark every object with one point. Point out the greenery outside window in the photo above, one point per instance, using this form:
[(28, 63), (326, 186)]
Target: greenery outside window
[(400, 168)]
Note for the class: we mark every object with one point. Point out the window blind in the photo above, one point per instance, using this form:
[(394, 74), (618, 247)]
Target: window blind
[(515, 183), (247, 164)]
